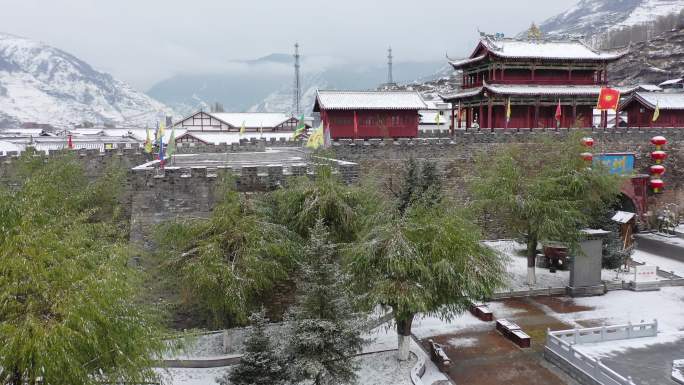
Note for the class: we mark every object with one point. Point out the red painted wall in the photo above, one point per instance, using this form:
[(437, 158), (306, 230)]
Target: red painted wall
[(372, 124), (523, 117), (642, 116)]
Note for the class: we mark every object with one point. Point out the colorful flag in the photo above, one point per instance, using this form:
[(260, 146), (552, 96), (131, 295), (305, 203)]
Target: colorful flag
[(559, 112), (171, 146), (242, 129), (162, 126), (609, 99), (161, 154), (316, 139), (438, 119), (148, 142), (301, 128), (656, 113)]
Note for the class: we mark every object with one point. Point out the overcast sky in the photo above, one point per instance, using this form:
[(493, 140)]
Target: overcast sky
[(144, 41)]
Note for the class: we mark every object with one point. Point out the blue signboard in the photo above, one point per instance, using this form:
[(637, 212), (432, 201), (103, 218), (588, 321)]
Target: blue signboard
[(619, 164)]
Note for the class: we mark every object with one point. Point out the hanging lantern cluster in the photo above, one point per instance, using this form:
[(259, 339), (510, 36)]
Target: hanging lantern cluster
[(589, 144), (658, 170)]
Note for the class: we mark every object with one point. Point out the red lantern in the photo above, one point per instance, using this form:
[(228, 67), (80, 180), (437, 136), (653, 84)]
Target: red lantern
[(657, 185), (659, 141), (587, 156), (658, 156), (588, 142), (657, 170)]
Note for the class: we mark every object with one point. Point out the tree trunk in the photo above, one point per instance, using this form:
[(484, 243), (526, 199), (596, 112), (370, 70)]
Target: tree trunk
[(531, 260), (404, 337)]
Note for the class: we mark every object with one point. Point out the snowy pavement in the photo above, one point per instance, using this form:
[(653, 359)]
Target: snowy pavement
[(374, 369), (678, 371)]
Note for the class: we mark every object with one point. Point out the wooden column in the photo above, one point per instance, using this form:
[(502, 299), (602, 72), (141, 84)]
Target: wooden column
[(536, 115), (453, 122), (529, 117), (490, 124), (574, 112), (480, 121)]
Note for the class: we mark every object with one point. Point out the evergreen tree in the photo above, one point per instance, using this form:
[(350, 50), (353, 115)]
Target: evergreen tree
[(260, 364), (68, 307), (410, 185), (324, 335)]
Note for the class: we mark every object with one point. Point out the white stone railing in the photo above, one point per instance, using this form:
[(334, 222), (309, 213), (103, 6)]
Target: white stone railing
[(563, 342)]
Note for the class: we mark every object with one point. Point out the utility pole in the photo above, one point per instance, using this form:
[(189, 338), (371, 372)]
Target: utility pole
[(297, 83), (390, 77)]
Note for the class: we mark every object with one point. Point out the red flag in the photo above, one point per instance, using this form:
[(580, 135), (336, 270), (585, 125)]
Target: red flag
[(609, 99), (70, 142), (559, 111)]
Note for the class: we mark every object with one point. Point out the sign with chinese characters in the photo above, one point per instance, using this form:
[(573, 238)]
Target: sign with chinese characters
[(645, 273), (617, 164)]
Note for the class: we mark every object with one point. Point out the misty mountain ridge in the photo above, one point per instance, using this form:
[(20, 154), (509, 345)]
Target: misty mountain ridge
[(267, 83)]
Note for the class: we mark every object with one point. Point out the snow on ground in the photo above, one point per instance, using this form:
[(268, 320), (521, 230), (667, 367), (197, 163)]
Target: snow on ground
[(428, 326), (463, 342), (187, 376), (384, 369), (207, 346), (623, 306), (666, 264), (374, 369), (678, 370)]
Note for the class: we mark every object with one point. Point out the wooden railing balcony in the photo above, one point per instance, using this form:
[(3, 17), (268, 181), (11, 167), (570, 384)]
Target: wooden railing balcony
[(539, 82)]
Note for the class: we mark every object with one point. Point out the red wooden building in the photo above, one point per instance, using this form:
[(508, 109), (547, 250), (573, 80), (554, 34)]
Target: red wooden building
[(641, 106), (369, 114), (533, 76)]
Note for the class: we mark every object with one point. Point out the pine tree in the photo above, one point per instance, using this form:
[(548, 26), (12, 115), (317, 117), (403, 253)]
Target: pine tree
[(410, 184), (324, 334), (260, 365)]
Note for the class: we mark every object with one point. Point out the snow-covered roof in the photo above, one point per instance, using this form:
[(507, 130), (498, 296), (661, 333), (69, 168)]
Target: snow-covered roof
[(623, 217), (252, 119), (665, 101), (369, 100), (534, 90), (539, 49), (8, 146), (670, 82), (649, 87)]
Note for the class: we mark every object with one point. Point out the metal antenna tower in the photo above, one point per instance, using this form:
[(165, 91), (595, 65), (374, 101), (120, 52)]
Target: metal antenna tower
[(390, 78), (297, 83)]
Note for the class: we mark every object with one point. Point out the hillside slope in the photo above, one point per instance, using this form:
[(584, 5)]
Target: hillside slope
[(40, 83)]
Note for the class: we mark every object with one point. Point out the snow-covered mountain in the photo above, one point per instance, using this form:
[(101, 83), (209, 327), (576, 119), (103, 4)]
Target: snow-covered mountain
[(592, 17), (42, 84)]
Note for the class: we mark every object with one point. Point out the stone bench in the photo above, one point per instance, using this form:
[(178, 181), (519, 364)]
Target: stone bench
[(482, 312), (513, 332), (439, 356)]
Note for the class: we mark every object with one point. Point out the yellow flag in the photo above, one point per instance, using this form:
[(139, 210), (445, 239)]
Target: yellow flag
[(148, 142), (162, 126), (316, 139), (242, 129), (656, 113), (438, 118)]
